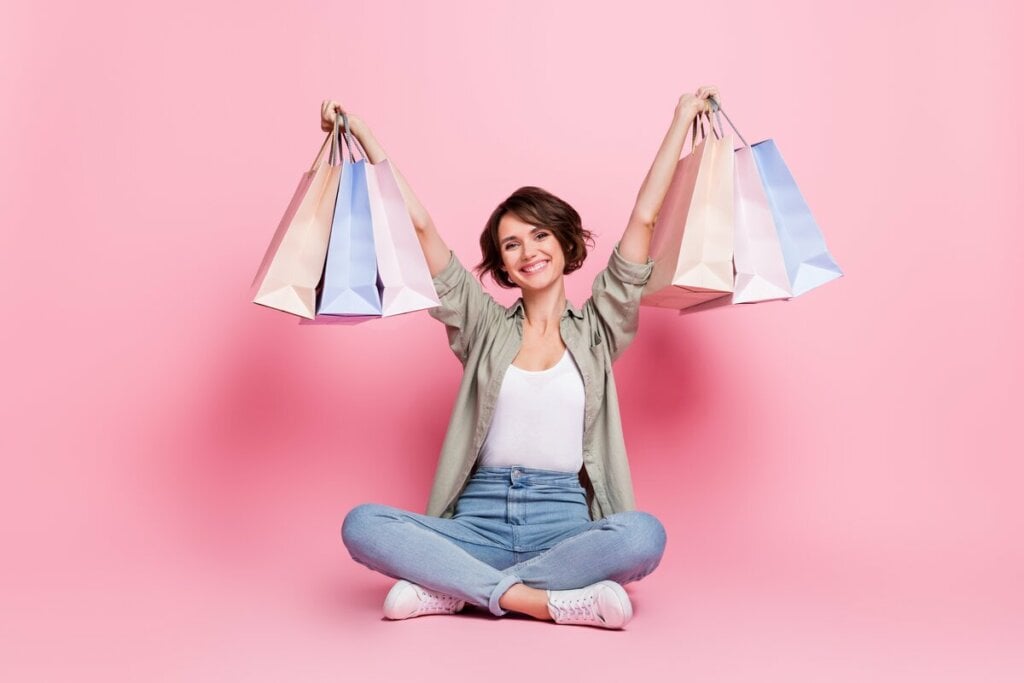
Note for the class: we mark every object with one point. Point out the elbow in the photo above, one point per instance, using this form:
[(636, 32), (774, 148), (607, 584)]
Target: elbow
[(422, 223), (644, 219)]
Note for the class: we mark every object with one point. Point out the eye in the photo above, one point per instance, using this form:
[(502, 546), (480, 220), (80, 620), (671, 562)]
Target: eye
[(509, 245)]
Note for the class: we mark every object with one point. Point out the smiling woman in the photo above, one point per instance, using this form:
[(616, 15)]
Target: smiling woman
[(532, 506), (522, 222)]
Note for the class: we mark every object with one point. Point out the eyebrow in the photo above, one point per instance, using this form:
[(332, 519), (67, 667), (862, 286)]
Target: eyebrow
[(512, 237)]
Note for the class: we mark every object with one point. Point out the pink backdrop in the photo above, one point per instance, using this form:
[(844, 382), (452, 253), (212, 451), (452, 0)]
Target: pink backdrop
[(839, 475)]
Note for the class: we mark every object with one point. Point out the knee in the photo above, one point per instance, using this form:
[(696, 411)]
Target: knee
[(358, 524), (646, 535)]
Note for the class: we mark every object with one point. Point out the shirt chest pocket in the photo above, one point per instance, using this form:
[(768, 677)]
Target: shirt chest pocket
[(598, 351), (599, 348)]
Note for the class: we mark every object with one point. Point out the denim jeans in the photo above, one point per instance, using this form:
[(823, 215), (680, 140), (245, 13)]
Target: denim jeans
[(511, 525)]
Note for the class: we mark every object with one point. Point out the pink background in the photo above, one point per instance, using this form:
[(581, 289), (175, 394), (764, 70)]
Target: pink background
[(839, 475)]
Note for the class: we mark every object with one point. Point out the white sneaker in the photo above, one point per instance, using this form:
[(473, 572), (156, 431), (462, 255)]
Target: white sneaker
[(603, 604), (406, 599)]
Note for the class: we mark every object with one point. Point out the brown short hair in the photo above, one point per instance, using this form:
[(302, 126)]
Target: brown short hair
[(535, 206)]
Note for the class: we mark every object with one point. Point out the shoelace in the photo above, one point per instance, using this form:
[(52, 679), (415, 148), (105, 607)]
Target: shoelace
[(432, 600), (578, 609)]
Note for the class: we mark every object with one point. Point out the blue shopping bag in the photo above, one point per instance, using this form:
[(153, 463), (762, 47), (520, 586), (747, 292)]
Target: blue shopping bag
[(350, 284), (808, 261)]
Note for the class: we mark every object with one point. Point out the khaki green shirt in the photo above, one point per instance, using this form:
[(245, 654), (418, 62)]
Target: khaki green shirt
[(486, 338)]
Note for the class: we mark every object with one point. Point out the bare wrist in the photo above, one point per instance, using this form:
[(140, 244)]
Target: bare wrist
[(685, 112), (359, 128)]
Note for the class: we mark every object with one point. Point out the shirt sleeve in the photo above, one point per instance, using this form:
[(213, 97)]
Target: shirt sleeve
[(615, 300), (464, 304)]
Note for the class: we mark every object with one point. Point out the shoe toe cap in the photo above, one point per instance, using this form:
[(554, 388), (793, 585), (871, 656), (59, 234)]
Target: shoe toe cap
[(614, 604), (402, 601)]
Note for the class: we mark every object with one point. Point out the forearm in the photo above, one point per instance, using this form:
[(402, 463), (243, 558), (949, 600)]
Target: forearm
[(659, 177), (375, 154)]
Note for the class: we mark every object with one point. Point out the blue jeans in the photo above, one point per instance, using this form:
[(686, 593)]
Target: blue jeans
[(511, 525)]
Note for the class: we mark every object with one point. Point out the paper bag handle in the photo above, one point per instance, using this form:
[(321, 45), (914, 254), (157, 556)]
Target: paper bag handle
[(699, 120), (350, 139), (331, 137), (335, 137), (718, 110)]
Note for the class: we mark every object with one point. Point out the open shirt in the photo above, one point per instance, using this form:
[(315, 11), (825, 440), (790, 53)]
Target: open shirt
[(486, 337)]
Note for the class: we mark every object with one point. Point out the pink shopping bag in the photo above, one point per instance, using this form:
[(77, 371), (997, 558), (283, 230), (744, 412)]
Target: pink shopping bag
[(692, 244), (405, 280)]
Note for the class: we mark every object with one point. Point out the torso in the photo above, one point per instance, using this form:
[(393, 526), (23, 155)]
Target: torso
[(539, 353)]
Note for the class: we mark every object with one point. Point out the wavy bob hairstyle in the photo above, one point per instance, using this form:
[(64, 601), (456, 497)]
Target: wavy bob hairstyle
[(537, 207)]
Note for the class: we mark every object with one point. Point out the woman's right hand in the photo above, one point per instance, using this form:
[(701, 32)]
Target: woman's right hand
[(329, 110), (690, 106)]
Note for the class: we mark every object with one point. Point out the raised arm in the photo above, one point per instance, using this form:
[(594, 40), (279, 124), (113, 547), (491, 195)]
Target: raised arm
[(435, 250), (464, 303), (636, 240)]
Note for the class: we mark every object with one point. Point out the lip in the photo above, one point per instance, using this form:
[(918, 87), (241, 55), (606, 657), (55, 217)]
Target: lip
[(525, 272)]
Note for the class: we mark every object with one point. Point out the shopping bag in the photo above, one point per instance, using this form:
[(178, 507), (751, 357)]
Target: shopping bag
[(692, 244), (406, 284), (288, 276), (350, 279), (759, 263), (808, 261)]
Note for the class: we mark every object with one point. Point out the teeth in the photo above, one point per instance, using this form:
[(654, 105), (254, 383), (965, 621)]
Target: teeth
[(534, 268)]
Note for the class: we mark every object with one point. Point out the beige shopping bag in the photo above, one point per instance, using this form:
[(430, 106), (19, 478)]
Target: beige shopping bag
[(692, 244), (290, 272)]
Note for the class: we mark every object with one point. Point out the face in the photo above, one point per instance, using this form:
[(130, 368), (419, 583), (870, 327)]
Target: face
[(523, 245)]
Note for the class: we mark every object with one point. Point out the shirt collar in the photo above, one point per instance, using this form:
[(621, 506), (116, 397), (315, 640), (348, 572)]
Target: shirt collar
[(517, 309)]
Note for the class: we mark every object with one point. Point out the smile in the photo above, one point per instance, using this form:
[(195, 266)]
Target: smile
[(536, 267)]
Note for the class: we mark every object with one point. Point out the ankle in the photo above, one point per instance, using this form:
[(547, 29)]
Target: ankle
[(526, 600)]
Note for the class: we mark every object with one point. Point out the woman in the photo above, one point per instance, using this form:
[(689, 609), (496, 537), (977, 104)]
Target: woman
[(531, 509)]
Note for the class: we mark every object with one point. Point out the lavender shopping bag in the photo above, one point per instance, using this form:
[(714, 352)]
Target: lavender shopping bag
[(808, 261), (350, 280)]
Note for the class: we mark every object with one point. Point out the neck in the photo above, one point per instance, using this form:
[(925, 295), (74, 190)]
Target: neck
[(544, 307)]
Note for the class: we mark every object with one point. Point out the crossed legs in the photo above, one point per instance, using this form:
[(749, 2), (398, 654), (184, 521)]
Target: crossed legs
[(445, 555)]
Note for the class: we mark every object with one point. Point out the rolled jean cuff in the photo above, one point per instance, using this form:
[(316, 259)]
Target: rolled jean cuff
[(499, 590)]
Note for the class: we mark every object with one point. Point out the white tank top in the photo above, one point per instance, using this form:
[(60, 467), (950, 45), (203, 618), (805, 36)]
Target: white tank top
[(538, 419)]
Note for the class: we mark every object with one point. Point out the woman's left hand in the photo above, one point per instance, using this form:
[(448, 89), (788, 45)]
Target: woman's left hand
[(698, 103)]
